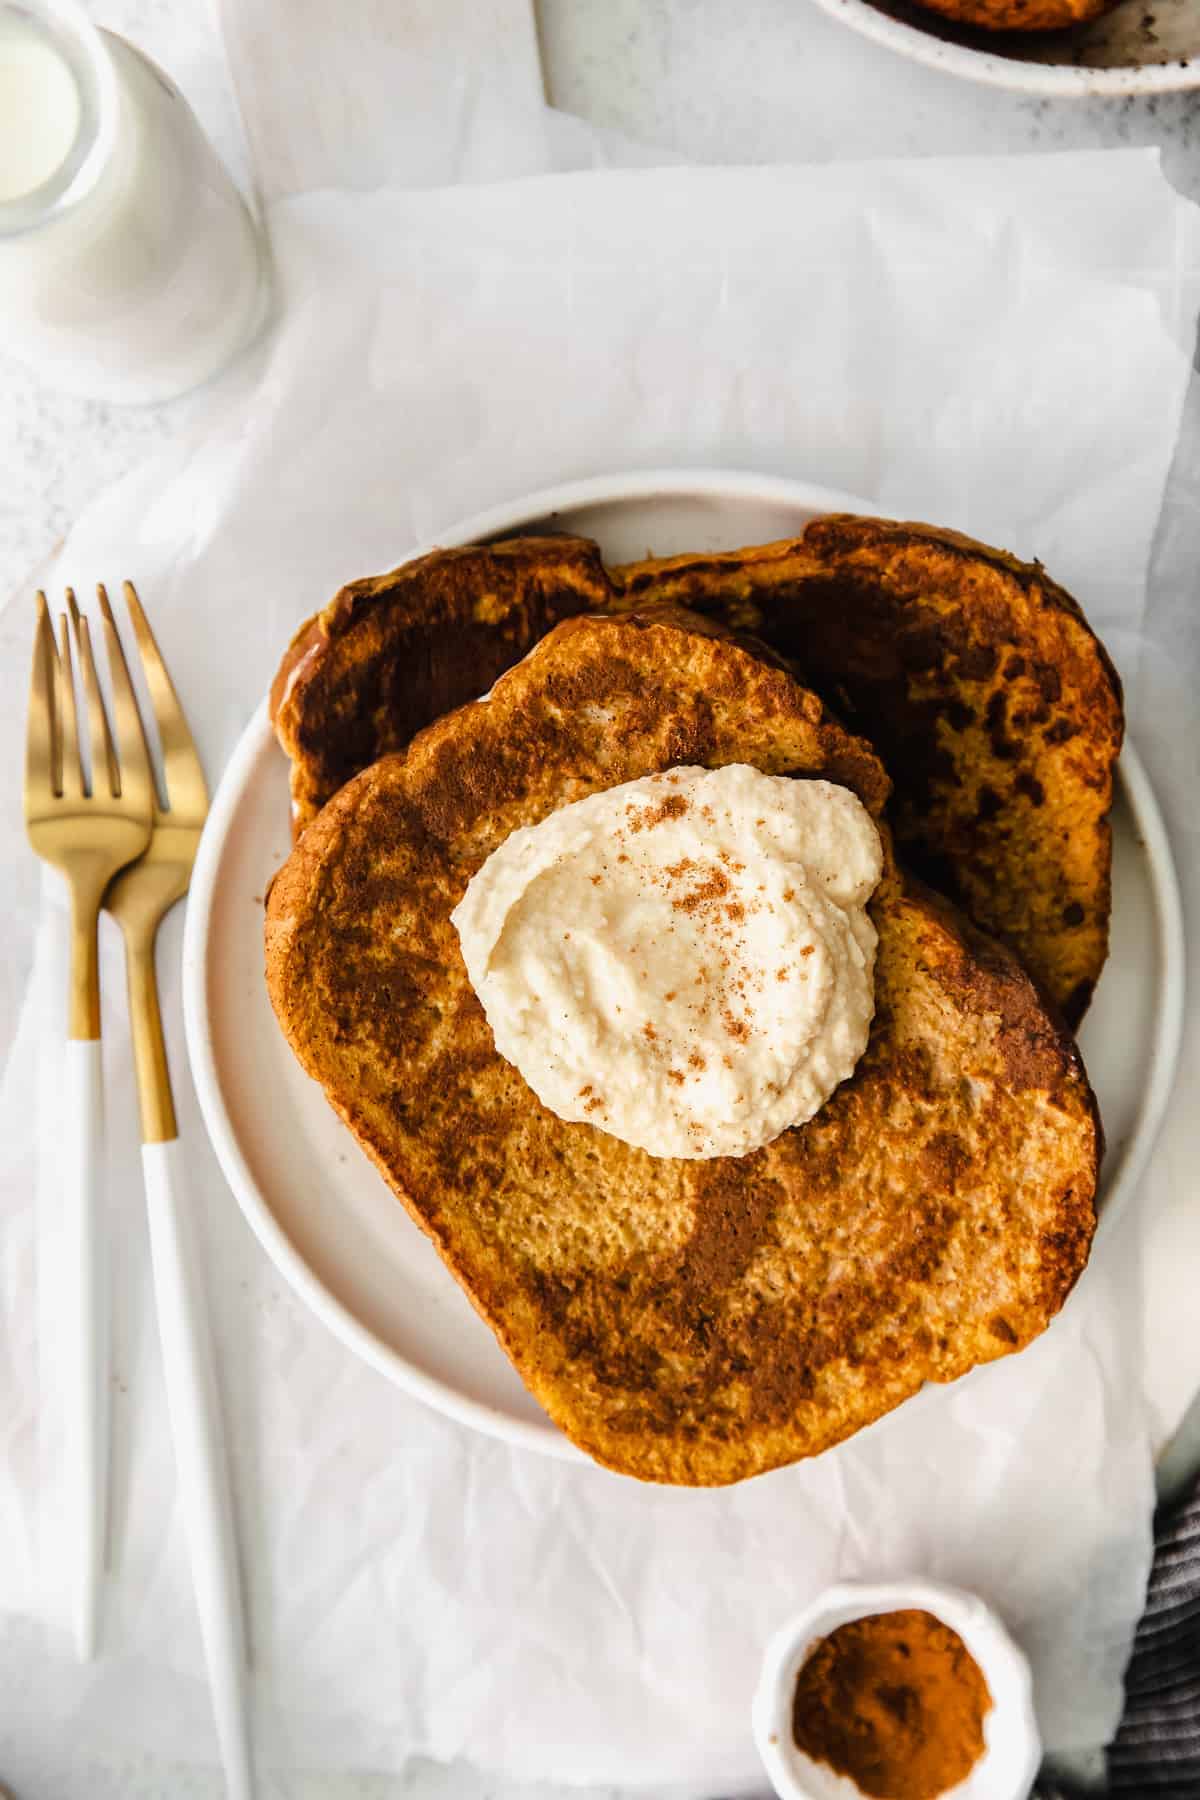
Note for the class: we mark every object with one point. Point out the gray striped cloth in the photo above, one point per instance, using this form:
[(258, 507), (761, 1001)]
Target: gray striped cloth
[(1156, 1752), (1157, 1749)]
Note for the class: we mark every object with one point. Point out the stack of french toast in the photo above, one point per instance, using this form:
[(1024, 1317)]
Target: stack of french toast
[(701, 1321)]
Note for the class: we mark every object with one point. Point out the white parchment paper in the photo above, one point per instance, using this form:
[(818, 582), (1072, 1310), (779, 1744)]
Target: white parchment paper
[(1000, 346)]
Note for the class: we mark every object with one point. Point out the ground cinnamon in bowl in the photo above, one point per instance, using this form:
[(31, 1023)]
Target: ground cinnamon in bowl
[(896, 1702)]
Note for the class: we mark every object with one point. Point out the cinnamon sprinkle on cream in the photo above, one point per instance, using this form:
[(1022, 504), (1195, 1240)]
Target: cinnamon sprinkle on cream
[(668, 1010)]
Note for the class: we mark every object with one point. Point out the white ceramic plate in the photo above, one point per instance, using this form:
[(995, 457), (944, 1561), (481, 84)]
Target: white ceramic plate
[(318, 1206), (1140, 47)]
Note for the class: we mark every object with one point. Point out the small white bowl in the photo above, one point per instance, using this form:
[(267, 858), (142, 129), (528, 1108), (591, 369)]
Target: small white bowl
[(1012, 1746)]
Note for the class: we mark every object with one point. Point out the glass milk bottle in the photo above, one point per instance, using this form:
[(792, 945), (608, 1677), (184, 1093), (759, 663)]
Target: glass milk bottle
[(130, 268)]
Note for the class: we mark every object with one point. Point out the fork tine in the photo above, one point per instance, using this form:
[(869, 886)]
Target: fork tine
[(43, 759), (72, 766), (104, 759), (133, 756), (182, 768)]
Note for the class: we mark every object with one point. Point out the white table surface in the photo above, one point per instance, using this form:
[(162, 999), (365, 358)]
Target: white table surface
[(764, 80)]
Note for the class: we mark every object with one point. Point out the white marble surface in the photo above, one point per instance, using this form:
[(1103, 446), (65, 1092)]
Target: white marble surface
[(769, 80), (765, 80)]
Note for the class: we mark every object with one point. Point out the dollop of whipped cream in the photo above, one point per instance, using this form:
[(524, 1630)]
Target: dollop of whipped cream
[(685, 960)]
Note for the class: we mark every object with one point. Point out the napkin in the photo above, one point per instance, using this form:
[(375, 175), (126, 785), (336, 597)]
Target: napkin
[(1158, 1745), (1002, 346)]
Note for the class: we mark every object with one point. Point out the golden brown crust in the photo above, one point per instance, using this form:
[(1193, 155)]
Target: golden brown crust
[(691, 1322), (392, 652), (994, 706), (1020, 15)]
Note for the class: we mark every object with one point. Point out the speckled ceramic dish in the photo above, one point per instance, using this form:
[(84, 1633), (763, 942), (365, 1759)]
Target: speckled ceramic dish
[(1140, 47)]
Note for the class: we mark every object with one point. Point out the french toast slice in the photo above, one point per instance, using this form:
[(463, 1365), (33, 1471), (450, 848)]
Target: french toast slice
[(693, 1322), (993, 704), (392, 652)]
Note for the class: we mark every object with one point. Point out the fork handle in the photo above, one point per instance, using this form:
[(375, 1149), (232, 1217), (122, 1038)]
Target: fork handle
[(194, 1407), (83, 1003), (86, 1321), (155, 1101)]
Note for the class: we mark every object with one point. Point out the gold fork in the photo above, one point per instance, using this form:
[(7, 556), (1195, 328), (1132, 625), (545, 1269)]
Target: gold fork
[(141, 896), (87, 832), (138, 900)]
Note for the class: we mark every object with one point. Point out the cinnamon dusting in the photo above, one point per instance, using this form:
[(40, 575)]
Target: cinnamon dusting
[(896, 1702), (673, 807)]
